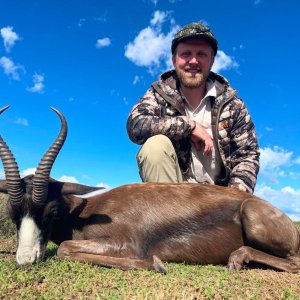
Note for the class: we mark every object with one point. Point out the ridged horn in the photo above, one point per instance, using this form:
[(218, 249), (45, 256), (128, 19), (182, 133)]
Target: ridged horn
[(41, 177), (11, 170)]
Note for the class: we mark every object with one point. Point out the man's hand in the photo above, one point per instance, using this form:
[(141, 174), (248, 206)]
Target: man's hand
[(200, 135)]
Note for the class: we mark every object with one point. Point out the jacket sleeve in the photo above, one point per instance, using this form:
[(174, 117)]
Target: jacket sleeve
[(244, 150), (149, 117)]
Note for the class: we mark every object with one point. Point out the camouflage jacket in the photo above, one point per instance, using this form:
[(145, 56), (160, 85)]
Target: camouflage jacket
[(161, 111)]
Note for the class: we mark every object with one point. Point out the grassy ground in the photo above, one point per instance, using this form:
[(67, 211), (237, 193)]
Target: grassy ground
[(55, 279)]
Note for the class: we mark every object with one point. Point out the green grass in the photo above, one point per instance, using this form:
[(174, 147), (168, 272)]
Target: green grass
[(64, 279)]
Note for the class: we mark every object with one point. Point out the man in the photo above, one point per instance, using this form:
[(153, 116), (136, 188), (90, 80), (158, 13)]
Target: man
[(192, 124)]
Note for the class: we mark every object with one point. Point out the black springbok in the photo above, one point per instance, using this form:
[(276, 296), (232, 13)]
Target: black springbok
[(141, 225)]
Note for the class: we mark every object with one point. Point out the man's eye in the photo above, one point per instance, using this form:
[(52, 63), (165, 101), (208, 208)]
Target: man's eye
[(185, 54)]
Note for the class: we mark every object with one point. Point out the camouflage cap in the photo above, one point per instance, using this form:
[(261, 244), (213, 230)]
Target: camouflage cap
[(195, 30)]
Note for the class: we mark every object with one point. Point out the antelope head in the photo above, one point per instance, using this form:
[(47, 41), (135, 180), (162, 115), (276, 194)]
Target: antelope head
[(34, 200)]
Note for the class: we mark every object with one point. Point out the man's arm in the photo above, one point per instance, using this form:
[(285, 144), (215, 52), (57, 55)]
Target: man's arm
[(146, 119), (245, 150), (199, 135)]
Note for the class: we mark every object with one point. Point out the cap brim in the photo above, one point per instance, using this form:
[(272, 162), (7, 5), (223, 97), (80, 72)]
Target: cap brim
[(210, 40), (199, 36)]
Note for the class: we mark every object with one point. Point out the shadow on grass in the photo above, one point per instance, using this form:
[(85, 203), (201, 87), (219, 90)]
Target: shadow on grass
[(50, 251)]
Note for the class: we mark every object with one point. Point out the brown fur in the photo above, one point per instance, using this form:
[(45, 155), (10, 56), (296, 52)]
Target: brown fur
[(191, 223)]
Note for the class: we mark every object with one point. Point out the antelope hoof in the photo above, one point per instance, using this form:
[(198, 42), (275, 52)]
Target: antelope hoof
[(234, 265), (158, 265)]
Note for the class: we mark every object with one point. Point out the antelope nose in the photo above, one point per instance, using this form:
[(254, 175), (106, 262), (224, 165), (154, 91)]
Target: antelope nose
[(29, 255), (25, 257)]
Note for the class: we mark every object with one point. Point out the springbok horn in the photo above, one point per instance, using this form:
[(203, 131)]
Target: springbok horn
[(41, 177), (11, 170)]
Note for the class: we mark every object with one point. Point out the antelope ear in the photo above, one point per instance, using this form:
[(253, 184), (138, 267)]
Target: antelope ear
[(67, 188), (78, 189), (3, 186)]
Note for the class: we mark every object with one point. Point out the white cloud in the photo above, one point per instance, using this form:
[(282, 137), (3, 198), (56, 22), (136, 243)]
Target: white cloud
[(22, 121), (9, 37), (10, 68), (151, 47), (291, 191), (297, 160), (136, 80), (286, 199), (159, 17), (294, 175), (66, 178), (273, 159), (223, 62), (29, 171), (105, 42), (81, 22), (276, 164), (38, 86)]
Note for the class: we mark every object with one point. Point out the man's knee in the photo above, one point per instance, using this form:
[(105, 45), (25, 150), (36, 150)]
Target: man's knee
[(156, 148), (157, 161)]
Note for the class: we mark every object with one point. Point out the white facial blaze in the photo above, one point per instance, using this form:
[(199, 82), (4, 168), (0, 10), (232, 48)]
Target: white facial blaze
[(29, 242)]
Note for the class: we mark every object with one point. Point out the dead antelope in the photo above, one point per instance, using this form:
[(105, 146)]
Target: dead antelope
[(140, 225)]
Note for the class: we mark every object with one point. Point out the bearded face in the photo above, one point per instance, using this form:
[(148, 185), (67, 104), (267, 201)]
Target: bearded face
[(191, 78), (193, 60)]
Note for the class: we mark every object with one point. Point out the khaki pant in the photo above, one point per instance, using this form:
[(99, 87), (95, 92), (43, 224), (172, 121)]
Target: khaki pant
[(157, 161)]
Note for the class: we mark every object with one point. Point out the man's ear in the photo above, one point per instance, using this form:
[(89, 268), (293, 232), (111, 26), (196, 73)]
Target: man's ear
[(174, 59), (212, 62)]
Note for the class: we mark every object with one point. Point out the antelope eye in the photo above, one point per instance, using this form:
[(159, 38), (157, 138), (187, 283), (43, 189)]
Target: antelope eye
[(55, 212)]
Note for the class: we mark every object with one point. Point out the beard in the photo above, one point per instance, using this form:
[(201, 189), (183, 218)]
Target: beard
[(189, 81)]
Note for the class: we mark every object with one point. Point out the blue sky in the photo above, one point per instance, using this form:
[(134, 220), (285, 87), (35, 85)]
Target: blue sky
[(93, 60)]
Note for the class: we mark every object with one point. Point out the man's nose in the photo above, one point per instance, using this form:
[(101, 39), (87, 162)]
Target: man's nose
[(193, 60)]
